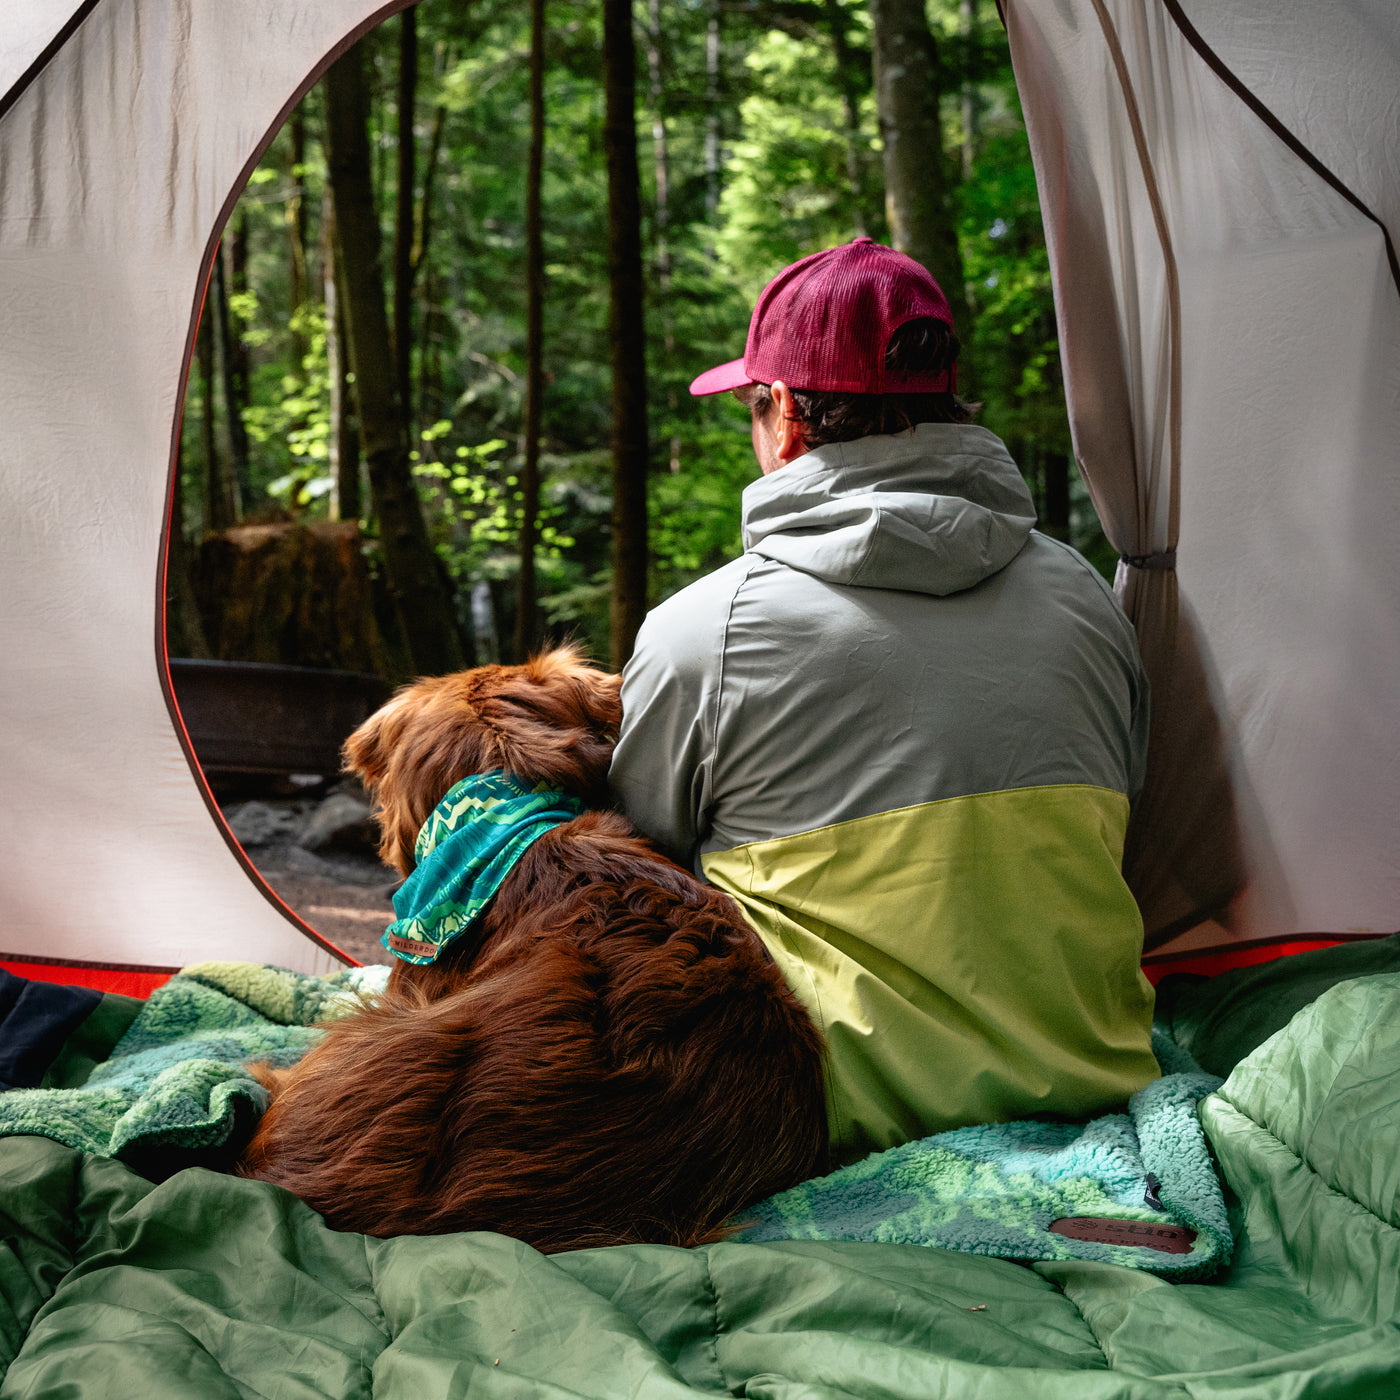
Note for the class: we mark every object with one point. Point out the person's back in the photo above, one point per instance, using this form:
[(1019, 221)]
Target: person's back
[(901, 731)]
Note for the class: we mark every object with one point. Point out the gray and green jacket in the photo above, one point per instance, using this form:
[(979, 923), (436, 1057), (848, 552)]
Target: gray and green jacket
[(902, 730)]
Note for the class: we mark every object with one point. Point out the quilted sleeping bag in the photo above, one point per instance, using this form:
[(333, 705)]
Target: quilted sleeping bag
[(207, 1286)]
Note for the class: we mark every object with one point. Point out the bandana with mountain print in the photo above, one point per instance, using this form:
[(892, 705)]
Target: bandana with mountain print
[(467, 847)]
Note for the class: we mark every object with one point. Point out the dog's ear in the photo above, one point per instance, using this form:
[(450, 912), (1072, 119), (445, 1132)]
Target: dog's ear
[(384, 753), (366, 753), (604, 700), (554, 720)]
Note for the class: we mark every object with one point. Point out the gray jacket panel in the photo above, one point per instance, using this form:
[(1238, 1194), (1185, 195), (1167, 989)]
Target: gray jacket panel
[(896, 634)]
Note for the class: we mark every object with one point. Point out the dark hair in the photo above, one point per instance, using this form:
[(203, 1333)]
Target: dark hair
[(922, 346)]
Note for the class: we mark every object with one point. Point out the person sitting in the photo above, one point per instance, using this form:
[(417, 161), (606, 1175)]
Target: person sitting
[(903, 729)]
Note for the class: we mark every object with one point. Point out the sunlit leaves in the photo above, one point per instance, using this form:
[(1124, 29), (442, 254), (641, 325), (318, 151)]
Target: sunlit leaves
[(787, 191)]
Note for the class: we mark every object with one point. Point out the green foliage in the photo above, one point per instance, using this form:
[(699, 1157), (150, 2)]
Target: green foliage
[(291, 426), (474, 507), (1008, 274), (694, 511), (787, 188), (794, 176)]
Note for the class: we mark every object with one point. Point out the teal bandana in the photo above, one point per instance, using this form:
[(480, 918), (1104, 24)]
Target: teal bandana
[(468, 845)]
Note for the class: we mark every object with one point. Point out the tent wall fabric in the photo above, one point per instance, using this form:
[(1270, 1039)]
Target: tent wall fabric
[(1220, 185), (1230, 318), (29, 35), (120, 157)]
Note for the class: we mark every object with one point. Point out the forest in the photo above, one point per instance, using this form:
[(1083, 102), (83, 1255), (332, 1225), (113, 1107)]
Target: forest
[(437, 411)]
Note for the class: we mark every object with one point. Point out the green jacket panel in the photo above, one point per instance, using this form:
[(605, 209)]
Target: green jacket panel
[(958, 975)]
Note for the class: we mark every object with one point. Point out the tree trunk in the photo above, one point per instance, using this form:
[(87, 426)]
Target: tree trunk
[(658, 142), (424, 223), (218, 502), (848, 81), (918, 184), (184, 631), (335, 374), (526, 612), (342, 451), (432, 321), (712, 114), (296, 236), (626, 331), (1055, 517), (235, 388), (403, 216), (662, 161), (350, 476), (967, 27), (412, 567), (238, 284), (290, 594), (429, 314)]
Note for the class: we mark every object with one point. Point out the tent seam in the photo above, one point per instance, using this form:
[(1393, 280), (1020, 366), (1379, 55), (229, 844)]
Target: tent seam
[(51, 51), (1236, 84)]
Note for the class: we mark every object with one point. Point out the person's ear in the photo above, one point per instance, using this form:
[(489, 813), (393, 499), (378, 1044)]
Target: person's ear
[(791, 440)]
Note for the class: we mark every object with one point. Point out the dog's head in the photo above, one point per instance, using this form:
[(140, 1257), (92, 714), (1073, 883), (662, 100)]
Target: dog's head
[(552, 720)]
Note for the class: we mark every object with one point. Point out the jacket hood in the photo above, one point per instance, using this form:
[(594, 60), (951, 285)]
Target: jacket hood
[(933, 510)]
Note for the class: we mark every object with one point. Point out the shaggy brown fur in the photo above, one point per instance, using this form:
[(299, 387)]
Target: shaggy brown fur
[(613, 1058)]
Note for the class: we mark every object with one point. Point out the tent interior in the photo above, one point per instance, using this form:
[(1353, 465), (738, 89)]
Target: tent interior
[(1229, 305)]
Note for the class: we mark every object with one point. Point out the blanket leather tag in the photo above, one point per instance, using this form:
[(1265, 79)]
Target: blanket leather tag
[(1145, 1234)]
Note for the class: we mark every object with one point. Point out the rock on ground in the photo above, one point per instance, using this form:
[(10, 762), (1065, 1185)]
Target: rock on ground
[(318, 857), (343, 822), (352, 916)]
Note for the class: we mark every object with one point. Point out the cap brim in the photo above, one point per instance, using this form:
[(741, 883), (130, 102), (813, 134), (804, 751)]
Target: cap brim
[(720, 379)]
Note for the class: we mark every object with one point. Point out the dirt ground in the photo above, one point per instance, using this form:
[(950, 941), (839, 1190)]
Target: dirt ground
[(352, 916)]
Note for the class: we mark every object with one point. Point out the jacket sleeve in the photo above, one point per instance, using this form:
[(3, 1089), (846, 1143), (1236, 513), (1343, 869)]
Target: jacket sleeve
[(662, 768)]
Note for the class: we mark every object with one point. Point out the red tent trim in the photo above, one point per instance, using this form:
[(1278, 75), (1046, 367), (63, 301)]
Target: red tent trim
[(134, 980), (128, 979), (1210, 962)]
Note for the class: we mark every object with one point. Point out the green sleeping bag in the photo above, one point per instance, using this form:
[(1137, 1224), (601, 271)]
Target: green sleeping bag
[(209, 1286)]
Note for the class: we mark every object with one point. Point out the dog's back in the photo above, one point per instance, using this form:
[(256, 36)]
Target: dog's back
[(615, 1059)]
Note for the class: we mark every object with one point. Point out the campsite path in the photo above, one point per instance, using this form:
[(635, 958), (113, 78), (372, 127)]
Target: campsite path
[(317, 853), (351, 915)]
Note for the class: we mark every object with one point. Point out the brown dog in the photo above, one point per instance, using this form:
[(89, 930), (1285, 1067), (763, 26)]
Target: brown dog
[(610, 1056)]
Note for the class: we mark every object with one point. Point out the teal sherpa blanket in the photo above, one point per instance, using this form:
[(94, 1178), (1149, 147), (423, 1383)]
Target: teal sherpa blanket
[(176, 1088), (997, 1189), (176, 1091)]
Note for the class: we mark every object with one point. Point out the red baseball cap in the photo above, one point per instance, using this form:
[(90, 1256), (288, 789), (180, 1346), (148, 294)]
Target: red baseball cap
[(823, 324)]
